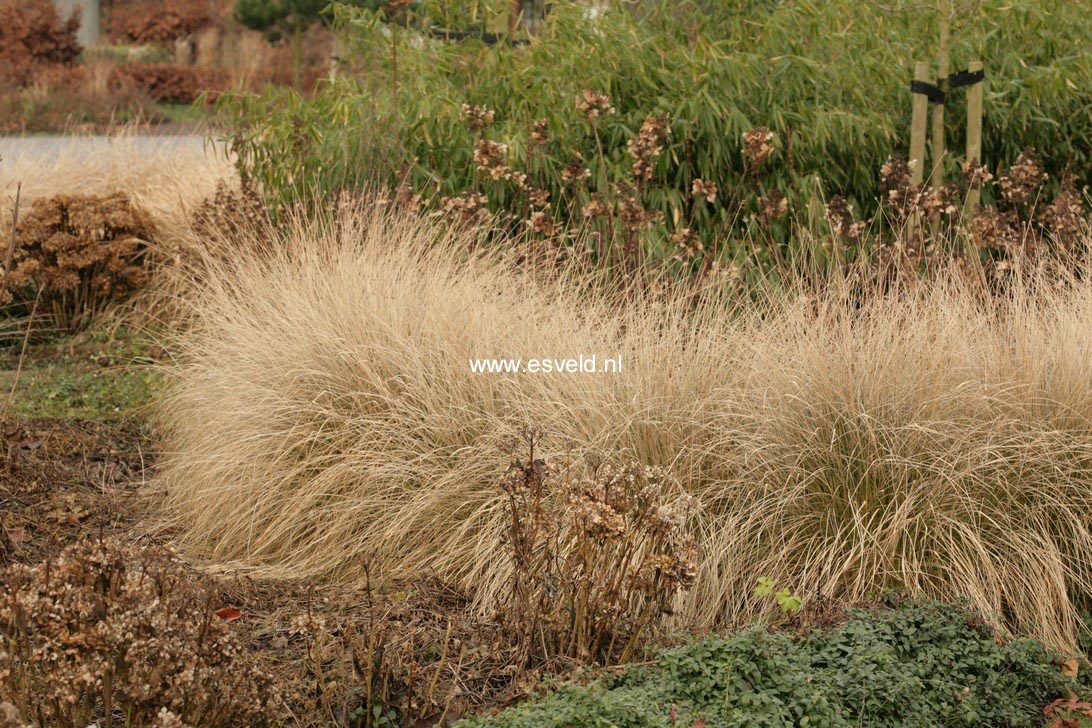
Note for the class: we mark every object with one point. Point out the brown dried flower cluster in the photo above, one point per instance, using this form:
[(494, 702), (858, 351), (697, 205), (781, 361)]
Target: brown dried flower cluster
[(477, 117), (540, 132), (902, 197), (839, 215), (773, 205), (469, 207), (112, 628), (758, 145), (83, 252), (231, 211), (594, 104), (687, 245), (635, 217), (595, 208), (975, 174), (646, 147), (491, 159), (941, 200), (702, 188), (1064, 217), (994, 229), (542, 222), (402, 198), (538, 197), (1020, 182), (599, 552), (575, 171)]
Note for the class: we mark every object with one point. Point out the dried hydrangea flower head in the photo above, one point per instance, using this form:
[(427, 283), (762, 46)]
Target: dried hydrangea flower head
[(477, 117), (600, 550), (1020, 182), (594, 104), (701, 188), (758, 144), (646, 147), (107, 623), (491, 159)]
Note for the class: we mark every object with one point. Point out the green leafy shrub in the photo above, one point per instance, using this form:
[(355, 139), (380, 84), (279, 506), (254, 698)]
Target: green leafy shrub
[(911, 665), (828, 79)]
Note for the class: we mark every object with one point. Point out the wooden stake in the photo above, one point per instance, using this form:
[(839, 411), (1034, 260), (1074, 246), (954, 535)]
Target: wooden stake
[(974, 135), (937, 176), (920, 108)]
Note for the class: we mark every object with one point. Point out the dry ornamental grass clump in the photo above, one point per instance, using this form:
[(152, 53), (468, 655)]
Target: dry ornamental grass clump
[(931, 436), (114, 634), (78, 253)]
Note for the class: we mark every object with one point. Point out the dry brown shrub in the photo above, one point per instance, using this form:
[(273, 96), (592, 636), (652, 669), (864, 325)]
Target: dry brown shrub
[(168, 83), (109, 630), (231, 212), (79, 253), (33, 34), (70, 98), (144, 23), (599, 551)]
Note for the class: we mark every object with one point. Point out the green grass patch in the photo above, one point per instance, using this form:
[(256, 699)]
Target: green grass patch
[(182, 112), (103, 375)]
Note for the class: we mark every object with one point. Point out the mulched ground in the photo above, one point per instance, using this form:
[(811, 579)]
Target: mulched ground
[(63, 479), (415, 647)]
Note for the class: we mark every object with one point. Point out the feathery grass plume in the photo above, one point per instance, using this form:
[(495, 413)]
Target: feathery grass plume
[(928, 437)]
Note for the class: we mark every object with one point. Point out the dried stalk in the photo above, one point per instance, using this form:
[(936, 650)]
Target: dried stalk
[(22, 352), (14, 225)]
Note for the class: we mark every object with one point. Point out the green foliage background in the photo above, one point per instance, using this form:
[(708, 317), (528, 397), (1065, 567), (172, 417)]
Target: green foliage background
[(831, 78)]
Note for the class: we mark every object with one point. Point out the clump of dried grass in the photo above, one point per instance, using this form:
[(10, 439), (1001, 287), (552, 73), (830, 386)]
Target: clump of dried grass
[(114, 634), (928, 437)]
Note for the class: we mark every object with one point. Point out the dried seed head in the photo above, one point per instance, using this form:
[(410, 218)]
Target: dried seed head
[(540, 133), (491, 159), (758, 144), (574, 171), (594, 104), (701, 188), (477, 117), (1020, 182), (648, 145)]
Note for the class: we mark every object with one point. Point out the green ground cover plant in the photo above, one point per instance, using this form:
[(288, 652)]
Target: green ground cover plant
[(905, 665)]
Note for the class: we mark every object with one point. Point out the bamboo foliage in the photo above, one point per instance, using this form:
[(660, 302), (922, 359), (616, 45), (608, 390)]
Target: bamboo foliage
[(827, 78)]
